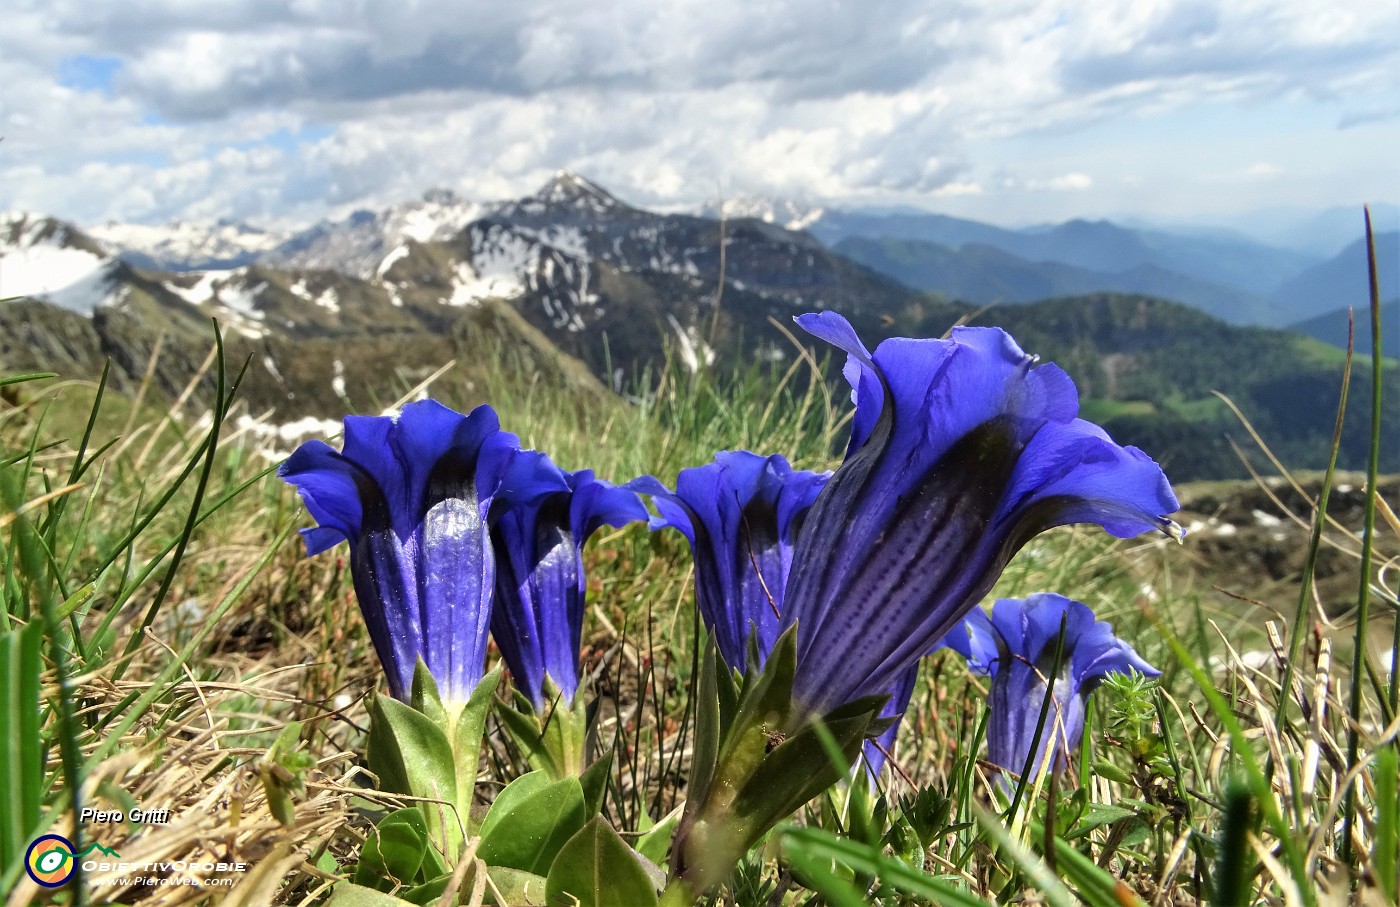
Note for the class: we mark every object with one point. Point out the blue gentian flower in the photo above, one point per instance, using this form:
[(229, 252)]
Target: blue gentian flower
[(537, 620), (413, 495), (961, 451), (1016, 646), (741, 515)]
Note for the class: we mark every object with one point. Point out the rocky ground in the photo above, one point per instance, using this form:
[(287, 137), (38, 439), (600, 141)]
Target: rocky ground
[(1248, 542)]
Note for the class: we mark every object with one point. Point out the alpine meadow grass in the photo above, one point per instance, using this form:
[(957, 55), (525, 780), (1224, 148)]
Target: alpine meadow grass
[(167, 647)]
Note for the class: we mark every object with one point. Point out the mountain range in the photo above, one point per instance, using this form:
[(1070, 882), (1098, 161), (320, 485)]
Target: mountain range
[(1225, 272), (592, 293)]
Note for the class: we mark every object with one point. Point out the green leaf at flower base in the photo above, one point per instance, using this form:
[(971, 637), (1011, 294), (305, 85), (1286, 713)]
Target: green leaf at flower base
[(596, 868), (594, 781), (348, 894), (467, 723), (511, 796), (555, 740), (429, 892), (529, 834), (518, 889), (655, 843), (761, 718), (800, 767), (411, 755), (408, 752), (468, 731), (424, 695), (705, 750), (399, 851), (773, 759)]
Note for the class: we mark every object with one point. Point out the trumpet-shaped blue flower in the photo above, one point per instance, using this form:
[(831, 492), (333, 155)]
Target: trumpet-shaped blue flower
[(413, 495), (961, 451), (537, 620), (741, 515), (1016, 646)]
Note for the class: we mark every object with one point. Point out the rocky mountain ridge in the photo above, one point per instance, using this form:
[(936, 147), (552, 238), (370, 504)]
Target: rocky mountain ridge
[(1224, 272), (602, 293), (611, 285)]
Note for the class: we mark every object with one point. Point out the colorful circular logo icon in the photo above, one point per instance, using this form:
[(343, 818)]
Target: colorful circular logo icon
[(49, 860)]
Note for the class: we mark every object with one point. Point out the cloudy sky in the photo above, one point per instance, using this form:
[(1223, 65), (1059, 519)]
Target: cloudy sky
[(1013, 111)]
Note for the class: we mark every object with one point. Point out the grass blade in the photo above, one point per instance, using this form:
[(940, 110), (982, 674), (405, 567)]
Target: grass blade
[(1233, 870), (1387, 815), (22, 769), (1363, 594), (809, 846)]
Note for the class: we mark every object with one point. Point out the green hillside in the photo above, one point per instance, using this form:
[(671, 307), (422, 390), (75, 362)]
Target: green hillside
[(1149, 369)]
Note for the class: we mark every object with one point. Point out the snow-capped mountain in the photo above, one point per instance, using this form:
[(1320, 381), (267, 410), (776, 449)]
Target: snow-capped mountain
[(184, 246), (608, 283), (358, 244), (572, 284), (47, 259), (566, 199)]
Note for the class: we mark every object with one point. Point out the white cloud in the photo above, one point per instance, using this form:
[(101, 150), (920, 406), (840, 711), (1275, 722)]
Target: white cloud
[(1069, 182), (953, 189), (263, 109), (1263, 171)]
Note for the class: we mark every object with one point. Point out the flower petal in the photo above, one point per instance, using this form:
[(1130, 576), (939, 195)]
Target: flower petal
[(1072, 472), (976, 640), (966, 452), (332, 487), (540, 589), (1027, 632)]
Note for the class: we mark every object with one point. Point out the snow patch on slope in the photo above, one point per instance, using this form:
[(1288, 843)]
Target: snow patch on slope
[(41, 270), (45, 259), (389, 260), (227, 292), (276, 442)]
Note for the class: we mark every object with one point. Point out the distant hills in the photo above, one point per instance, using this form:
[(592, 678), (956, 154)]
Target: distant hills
[(594, 294), (1150, 370), (983, 273), (1331, 328), (1320, 232), (1099, 246), (1340, 281)]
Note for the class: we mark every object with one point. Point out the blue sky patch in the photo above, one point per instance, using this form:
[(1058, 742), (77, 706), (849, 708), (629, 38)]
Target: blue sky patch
[(88, 73)]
